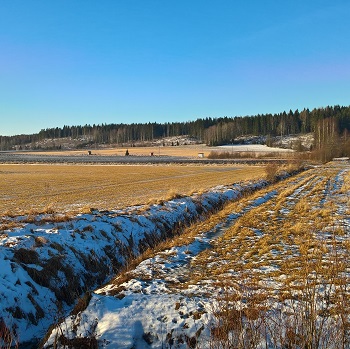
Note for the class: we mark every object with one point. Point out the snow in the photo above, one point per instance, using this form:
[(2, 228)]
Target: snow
[(45, 260), (252, 148), (151, 308), (159, 314)]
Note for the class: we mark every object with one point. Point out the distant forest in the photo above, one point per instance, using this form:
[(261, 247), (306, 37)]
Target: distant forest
[(326, 123)]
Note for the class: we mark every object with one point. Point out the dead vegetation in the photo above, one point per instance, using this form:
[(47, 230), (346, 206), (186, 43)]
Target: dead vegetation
[(54, 190), (8, 336), (287, 267), (280, 272)]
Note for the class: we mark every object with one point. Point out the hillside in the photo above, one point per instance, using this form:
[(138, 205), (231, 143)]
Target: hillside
[(326, 124)]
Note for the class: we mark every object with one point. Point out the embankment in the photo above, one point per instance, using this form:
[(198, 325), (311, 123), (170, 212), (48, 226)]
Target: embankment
[(49, 261)]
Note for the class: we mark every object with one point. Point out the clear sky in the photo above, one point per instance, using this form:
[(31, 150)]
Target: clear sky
[(76, 62)]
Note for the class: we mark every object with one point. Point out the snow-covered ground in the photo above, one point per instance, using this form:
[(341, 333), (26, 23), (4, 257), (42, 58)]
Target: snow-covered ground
[(176, 297), (172, 300), (48, 261), (161, 313), (259, 148)]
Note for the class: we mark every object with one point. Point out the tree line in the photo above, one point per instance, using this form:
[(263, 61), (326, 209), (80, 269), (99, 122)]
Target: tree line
[(212, 131)]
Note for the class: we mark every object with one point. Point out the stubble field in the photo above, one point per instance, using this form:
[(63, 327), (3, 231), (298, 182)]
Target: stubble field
[(76, 188), (187, 151)]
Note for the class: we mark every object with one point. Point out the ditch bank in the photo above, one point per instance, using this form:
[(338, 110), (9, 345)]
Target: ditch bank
[(50, 261)]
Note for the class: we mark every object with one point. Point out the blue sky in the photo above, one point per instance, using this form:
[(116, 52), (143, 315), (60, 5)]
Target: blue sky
[(65, 62)]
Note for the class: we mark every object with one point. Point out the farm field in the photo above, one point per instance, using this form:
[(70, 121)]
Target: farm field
[(185, 151), (190, 151), (269, 271), (76, 188)]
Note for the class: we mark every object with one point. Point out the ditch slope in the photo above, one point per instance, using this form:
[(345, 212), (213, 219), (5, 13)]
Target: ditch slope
[(48, 261)]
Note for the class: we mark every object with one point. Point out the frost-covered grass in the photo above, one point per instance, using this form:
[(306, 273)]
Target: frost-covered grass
[(269, 271)]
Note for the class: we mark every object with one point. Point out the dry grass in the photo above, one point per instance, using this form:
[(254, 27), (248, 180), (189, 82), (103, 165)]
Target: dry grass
[(186, 237), (8, 338), (293, 242), (280, 273), (292, 262), (183, 150), (32, 189)]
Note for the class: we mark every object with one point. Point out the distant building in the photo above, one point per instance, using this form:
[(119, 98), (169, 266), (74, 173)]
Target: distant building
[(201, 155)]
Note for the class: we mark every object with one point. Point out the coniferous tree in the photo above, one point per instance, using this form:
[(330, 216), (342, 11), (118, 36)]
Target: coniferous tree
[(209, 130)]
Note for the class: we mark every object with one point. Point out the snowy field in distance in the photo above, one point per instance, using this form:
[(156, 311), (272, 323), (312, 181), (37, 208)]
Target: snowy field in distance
[(261, 148)]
